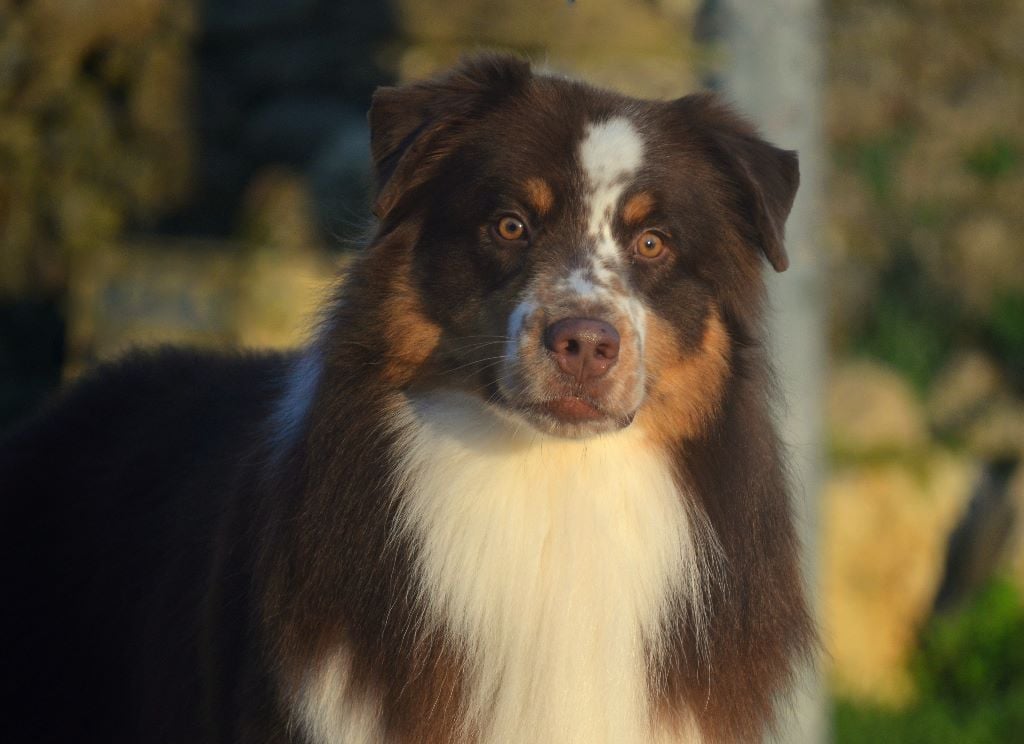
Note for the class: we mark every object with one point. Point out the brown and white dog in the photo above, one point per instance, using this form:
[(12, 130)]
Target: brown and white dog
[(524, 486)]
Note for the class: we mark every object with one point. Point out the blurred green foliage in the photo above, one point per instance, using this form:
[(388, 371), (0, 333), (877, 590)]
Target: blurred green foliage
[(912, 326), (915, 326), (1006, 331), (993, 159), (909, 325), (969, 676), (875, 160)]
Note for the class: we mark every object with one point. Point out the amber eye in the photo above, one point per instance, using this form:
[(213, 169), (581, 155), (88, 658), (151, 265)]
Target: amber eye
[(511, 228), (650, 245)]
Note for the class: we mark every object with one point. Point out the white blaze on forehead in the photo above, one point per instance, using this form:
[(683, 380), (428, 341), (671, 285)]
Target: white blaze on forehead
[(611, 152)]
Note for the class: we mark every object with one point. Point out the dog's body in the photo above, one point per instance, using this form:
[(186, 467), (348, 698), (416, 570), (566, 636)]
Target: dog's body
[(523, 486)]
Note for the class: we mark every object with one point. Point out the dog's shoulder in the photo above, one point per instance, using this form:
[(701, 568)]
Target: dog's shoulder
[(138, 412), (111, 498)]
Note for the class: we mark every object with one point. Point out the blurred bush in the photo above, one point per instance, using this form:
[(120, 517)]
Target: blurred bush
[(925, 105), (968, 675)]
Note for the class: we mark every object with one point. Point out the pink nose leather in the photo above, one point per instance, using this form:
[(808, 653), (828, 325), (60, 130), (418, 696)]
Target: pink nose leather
[(583, 348)]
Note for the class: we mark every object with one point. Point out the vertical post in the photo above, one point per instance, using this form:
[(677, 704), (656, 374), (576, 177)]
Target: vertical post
[(770, 63)]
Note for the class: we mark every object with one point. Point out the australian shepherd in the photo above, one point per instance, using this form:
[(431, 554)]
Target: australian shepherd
[(522, 487)]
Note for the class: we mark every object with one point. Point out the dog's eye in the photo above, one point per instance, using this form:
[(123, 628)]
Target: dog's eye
[(650, 245), (510, 228)]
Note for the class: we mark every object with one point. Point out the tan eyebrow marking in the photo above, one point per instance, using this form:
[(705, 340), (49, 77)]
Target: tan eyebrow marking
[(637, 208), (540, 195)]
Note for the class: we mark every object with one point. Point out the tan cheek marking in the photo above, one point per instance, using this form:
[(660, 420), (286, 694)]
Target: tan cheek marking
[(410, 337), (540, 195), (687, 390), (637, 208)]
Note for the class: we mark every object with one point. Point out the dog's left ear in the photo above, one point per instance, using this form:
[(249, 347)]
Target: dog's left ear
[(767, 176), (771, 175), (412, 127)]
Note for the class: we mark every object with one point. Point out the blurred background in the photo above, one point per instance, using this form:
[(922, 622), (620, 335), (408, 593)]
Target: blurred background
[(196, 171)]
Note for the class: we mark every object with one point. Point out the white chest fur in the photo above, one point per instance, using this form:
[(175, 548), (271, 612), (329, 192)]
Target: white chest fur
[(553, 561)]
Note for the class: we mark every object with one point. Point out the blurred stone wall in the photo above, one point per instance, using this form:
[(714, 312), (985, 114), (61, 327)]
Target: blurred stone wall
[(145, 143), (95, 138), (95, 129), (286, 83), (260, 290), (925, 119), (647, 49)]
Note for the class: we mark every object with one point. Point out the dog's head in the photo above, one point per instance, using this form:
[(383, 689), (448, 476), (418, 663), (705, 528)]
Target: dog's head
[(577, 258)]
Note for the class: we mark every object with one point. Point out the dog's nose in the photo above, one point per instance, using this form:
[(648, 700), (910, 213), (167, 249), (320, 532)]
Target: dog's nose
[(583, 347)]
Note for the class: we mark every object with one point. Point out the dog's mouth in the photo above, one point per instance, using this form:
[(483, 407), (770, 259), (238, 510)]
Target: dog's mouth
[(532, 390), (572, 409), (569, 416), (579, 376)]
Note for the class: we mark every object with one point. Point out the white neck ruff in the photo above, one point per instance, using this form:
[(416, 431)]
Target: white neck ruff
[(553, 562)]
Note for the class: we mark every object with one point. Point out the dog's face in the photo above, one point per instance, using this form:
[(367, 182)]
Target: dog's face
[(581, 260)]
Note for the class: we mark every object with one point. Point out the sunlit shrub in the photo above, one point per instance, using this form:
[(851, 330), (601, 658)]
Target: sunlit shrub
[(969, 674)]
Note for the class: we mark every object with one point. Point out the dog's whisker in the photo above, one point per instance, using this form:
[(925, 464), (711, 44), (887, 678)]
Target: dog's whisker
[(476, 347), (493, 361)]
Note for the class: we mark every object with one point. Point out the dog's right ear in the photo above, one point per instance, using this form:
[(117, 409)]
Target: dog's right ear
[(412, 127), (765, 175)]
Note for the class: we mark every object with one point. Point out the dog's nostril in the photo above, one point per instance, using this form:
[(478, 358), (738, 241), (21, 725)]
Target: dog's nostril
[(582, 347)]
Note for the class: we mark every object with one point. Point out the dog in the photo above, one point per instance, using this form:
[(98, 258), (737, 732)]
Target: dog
[(523, 485)]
